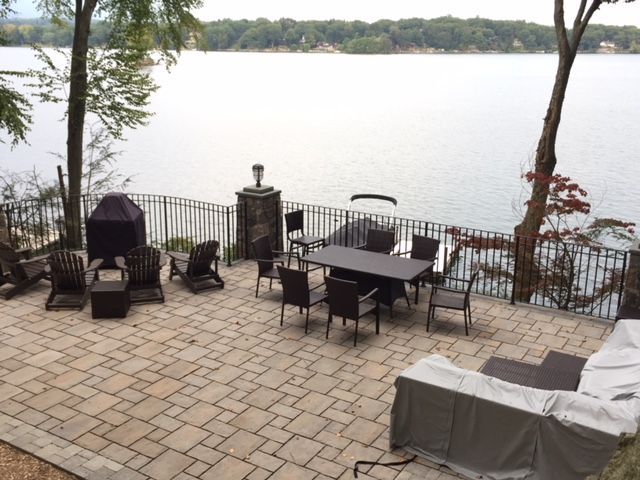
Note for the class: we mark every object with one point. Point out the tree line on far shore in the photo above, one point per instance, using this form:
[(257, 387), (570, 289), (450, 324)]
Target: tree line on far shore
[(444, 34)]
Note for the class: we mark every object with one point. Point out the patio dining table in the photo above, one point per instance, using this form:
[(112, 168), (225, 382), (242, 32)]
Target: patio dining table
[(371, 270)]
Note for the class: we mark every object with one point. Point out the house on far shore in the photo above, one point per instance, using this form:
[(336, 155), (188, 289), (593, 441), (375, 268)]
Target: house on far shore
[(607, 46)]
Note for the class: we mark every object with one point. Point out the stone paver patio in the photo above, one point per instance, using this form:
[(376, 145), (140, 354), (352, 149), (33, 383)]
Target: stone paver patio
[(211, 387)]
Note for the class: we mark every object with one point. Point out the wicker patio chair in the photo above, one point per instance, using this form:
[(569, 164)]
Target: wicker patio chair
[(266, 258), (301, 243), (423, 248), (344, 302), (195, 269), (71, 282), (296, 291), (19, 271), (381, 241), (141, 268), (452, 298)]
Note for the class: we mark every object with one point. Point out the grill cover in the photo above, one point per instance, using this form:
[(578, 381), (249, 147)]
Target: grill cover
[(115, 227)]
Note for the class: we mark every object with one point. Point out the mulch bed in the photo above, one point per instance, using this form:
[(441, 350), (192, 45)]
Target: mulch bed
[(18, 465)]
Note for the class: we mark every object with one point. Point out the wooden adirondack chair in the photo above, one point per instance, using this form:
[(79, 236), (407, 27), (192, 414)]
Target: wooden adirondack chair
[(19, 272), (141, 267), (70, 282), (195, 268)]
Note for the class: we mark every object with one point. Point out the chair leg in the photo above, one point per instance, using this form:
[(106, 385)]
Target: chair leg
[(270, 283), (355, 335), (328, 323), (344, 321), (430, 311), (282, 313), (257, 286), (377, 318), (417, 291), (406, 296), (466, 328), (469, 307), (306, 323)]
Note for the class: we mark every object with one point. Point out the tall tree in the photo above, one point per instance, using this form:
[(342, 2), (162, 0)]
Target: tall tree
[(545, 160), (108, 82), (14, 107)]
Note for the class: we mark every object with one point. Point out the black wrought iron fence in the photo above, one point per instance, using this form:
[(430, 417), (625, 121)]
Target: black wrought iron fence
[(171, 223), (583, 279)]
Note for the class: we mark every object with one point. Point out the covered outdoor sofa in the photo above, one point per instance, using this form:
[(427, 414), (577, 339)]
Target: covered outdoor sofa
[(483, 427)]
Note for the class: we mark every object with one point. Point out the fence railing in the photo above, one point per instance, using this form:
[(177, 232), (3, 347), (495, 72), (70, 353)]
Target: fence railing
[(588, 280), (171, 223), (584, 279)]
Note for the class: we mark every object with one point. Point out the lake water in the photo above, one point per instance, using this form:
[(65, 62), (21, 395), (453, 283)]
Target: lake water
[(447, 135)]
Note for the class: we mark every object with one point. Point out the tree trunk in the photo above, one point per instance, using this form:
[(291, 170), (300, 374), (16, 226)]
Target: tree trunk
[(76, 116), (545, 162)]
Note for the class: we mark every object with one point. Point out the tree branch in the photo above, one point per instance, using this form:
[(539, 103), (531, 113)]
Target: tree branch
[(561, 29)]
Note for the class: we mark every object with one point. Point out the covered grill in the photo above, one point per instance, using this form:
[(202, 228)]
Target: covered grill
[(115, 227)]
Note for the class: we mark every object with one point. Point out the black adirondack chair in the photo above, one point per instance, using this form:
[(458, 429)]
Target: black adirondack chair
[(71, 282), (196, 268), (141, 268), (18, 271)]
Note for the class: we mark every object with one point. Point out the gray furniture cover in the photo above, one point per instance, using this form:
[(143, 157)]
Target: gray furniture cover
[(483, 427)]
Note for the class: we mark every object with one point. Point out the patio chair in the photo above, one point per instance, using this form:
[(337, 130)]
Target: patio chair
[(381, 241), (195, 269), (452, 298), (19, 271), (71, 282), (423, 248), (344, 302), (296, 291), (303, 243), (266, 259), (141, 268)]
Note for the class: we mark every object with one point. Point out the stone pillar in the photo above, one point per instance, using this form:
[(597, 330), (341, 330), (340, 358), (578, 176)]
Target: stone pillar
[(258, 214), (630, 307), (4, 226)]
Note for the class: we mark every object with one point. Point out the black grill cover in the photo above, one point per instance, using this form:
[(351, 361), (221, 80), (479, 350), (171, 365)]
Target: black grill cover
[(115, 227)]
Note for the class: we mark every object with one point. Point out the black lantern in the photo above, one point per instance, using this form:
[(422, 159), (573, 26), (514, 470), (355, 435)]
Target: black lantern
[(258, 173)]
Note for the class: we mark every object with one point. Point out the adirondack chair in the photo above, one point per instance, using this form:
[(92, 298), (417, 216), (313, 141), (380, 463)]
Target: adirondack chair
[(19, 272), (195, 268), (141, 268), (71, 282)]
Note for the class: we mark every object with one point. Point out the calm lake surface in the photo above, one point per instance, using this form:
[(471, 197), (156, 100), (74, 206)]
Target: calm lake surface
[(447, 135)]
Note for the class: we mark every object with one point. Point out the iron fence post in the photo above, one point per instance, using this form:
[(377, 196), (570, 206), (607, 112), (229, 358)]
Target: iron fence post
[(622, 279), (166, 223), (228, 226), (515, 271)]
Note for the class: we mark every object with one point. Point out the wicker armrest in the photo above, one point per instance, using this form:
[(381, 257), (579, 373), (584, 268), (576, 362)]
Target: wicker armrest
[(368, 295)]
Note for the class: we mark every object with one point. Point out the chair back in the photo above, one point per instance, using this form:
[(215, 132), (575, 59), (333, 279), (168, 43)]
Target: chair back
[(262, 251), (380, 240), (201, 257), (424, 248), (143, 266), (343, 297), (474, 276), (295, 286), (295, 222), (67, 272), (9, 262)]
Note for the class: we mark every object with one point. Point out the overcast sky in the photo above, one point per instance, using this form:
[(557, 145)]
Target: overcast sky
[(538, 11)]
